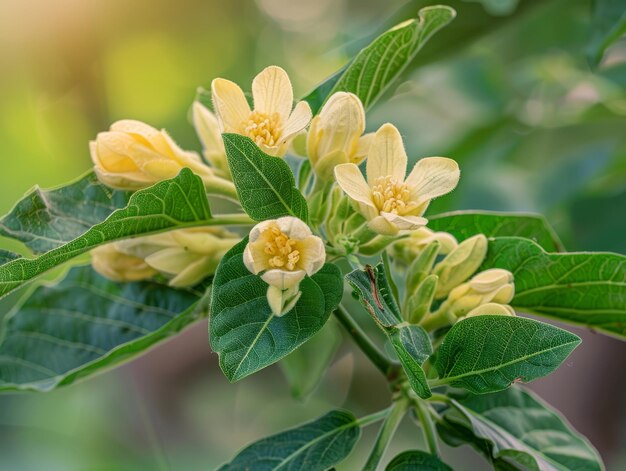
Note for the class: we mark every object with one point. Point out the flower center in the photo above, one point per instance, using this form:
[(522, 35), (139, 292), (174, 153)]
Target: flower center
[(391, 196), (281, 249), (262, 128)]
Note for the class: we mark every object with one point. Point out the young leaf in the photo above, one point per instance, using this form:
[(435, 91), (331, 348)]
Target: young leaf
[(305, 367), (488, 353), (465, 224), (413, 347), (243, 330), (377, 66), (314, 446), (179, 202), (580, 288), (417, 460), (374, 292), (86, 323), (518, 429), (46, 219), (265, 184)]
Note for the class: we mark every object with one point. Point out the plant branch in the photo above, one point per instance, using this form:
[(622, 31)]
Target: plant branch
[(428, 427), (394, 417), (233, 219), (380, 360)]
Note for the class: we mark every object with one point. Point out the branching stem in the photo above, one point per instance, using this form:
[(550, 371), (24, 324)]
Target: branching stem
[(393, 419)]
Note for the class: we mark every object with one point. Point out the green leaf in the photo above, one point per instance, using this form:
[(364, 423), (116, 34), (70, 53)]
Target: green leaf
[(413, 347), (522, 431), (372, 287), (488, 353), (581, 288), (378, 65), (417, 460), (171, 204), (305, 367), (6, 256), (86, 323), (465, 224), (608, 24), (314, 446), (243, 330), (46, 219), (265, 184)]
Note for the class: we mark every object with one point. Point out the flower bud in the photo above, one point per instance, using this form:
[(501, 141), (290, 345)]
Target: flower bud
[(491, 309), (336, 135), (421, 266), (491, 286), (133, 155), (407, 249), (420, 302), (118, 266), (184, 256), (460, 264), (208, 130), (283, 251)]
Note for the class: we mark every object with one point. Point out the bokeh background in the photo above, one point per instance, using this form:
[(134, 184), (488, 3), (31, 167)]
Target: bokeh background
[(507, 89)]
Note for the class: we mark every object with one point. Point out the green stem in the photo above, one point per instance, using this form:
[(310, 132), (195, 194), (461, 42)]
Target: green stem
[(439, 398), (394, 417), (389, 275), (435, 383), (436, 320), (380, 360), (234, 219), (428, 427), (221, 187), (373, 418)]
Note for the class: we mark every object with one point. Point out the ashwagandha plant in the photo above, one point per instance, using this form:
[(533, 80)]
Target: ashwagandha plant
[(309, 227)]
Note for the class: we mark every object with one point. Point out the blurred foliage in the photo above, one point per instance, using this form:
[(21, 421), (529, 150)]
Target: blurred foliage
[(507, 89)]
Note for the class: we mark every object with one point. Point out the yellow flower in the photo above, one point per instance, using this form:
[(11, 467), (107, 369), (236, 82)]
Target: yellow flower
[(208, 130), (388, 201), (118, 266), (491, 309), (134, 155), (272, 124), (283, 251), (336, 135), (184, 256)]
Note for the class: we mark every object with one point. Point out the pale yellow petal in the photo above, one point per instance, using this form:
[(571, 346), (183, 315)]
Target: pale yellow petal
[(293, 227), (363, 147), (298, 120), (312, 255), (351, 181), (230, 104), (386, 156), (382, 226), (272, 92), (283, 279), (161, 169), (405, 223), (343, 121), (132, 126), (432, 177)]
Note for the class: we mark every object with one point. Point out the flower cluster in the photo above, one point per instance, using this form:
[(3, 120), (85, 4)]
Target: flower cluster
[(364, 213)]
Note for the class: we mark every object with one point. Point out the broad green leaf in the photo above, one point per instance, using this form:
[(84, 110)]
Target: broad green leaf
[(46, 219), (608, 24), (171, 204), (376, 67), (86, 323), (372, 287), (488, 353), (6, 256), (518, 429), (412, 345), (582, 288), (417, 460), (315, 446), (465, 224), (265, 184), (244, 332), (305, 367)]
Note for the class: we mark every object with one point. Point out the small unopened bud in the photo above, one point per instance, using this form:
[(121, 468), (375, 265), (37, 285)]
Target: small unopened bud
[(460, 264), (490, 286), (208, 130), (491, 309), (119, 266), (421, 266), (282, 301), (407, 249), (419, 303)]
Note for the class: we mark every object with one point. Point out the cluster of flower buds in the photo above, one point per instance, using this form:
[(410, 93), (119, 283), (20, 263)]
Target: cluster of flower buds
[(184, 256), (452, 282)]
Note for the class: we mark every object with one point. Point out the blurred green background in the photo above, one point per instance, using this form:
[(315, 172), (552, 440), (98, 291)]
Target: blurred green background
[(507, 90)]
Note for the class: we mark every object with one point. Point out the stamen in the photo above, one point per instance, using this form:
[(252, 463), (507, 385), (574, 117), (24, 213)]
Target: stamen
[(391, 196), (282, 248), (263, 128)]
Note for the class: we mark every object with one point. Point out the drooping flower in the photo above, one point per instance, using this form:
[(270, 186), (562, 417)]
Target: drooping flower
[(283, 251), (390, 202), (133, 155), (208, 130), (336, 135), (119, 266), (184, 256), (272, 123), (490, 286)]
